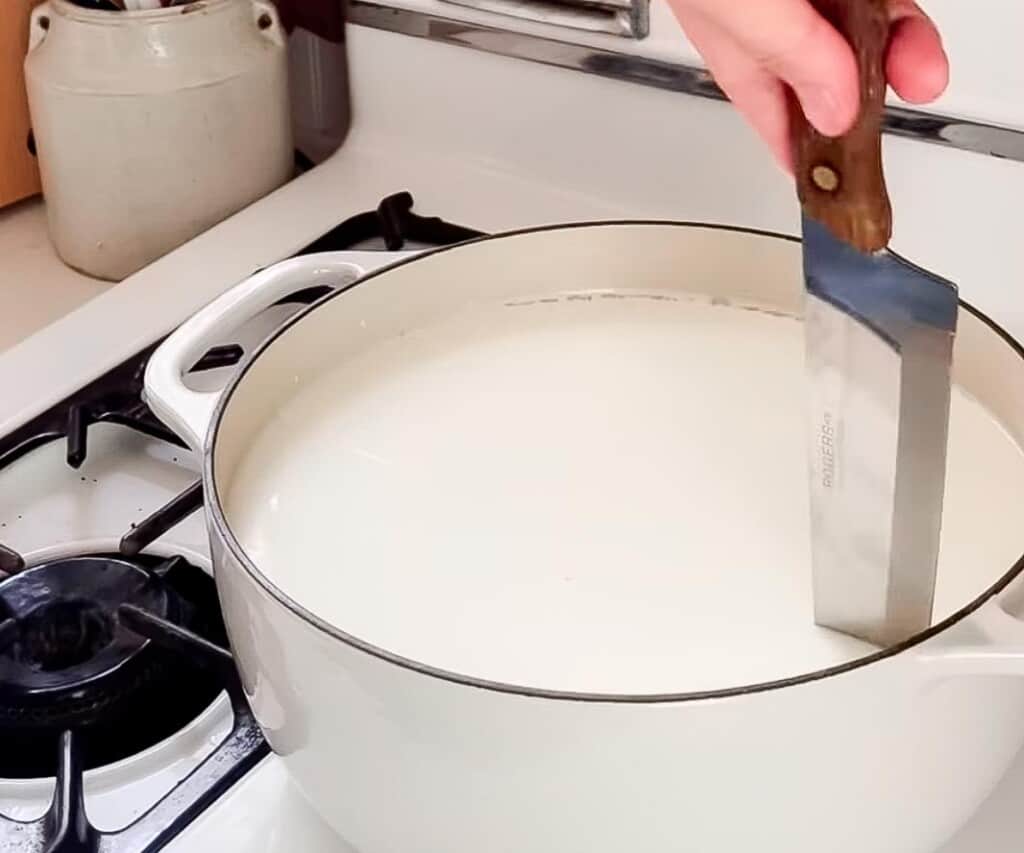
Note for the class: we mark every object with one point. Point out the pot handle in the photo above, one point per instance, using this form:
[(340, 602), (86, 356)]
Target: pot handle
[(999, 650), (189, 412)]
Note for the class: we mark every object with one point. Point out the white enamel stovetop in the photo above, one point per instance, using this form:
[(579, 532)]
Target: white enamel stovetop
[(490, 143)]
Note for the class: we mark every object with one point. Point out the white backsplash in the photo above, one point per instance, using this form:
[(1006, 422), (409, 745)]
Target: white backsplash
[(981, 36), (983, 41)]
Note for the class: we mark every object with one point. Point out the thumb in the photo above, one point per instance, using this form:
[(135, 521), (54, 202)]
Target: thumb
[(790, 40)]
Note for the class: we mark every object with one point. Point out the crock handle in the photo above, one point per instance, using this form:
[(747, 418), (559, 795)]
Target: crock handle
[(189, 412), (39, 25), (999, 651), (268, 21)]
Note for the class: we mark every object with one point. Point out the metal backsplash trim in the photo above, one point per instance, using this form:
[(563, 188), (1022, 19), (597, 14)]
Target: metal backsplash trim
[(990, 140), (623, 18)]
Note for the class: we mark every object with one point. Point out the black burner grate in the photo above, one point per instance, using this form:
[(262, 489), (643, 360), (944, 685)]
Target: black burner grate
[(65, 828), (161, 617), (116, 397)]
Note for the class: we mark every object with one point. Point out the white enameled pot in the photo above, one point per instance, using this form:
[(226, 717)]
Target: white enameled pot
[(404, 751)]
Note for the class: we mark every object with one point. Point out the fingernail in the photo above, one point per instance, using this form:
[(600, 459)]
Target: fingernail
[(822, 110)]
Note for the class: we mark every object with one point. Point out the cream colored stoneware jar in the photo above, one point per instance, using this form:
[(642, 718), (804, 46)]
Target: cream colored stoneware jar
[(512, 544), (152, 126)]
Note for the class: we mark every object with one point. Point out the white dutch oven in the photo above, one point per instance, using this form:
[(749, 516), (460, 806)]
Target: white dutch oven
[(510, 539)]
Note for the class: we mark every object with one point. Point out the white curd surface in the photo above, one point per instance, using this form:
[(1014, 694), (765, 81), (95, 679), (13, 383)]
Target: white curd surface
[(603, 495)]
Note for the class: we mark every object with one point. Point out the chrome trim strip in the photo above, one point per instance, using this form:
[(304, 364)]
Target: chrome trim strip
[(623, 18), (991, 140)]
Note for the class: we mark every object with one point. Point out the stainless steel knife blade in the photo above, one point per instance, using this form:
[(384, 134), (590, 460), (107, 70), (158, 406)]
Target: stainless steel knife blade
[(879, 342)]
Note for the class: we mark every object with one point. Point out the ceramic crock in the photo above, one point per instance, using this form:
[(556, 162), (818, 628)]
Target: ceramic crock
[(151, 126)]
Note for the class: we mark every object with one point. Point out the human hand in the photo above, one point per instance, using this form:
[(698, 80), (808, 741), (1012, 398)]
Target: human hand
[(757, 48)]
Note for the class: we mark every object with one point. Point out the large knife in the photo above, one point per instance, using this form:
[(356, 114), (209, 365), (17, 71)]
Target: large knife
[(879, 341)]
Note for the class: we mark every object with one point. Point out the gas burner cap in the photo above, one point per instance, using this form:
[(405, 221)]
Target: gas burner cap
[(66, 633), (69, 662)]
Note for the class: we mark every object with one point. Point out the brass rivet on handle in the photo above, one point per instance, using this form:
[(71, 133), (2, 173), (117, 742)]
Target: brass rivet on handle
[(825, 178)]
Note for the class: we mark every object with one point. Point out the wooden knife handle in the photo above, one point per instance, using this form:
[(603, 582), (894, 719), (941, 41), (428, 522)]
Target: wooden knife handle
[(840, 181)]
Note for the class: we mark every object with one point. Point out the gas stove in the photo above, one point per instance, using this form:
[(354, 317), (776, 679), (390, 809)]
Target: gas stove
[(98, 500), (123, 726), (117, 686)]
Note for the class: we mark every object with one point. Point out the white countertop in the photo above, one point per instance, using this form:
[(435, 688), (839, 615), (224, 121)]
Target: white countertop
[(35, 286)]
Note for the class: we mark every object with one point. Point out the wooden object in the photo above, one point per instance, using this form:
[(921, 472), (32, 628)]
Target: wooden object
[(840, 181), (19, 175)]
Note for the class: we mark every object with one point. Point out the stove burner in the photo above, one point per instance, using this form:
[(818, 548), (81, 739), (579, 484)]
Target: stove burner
[(70, 660), (63, 635), (65, 614), (65, 828)]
